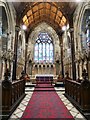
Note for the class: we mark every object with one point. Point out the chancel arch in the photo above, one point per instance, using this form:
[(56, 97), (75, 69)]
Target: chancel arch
[(44, 28)]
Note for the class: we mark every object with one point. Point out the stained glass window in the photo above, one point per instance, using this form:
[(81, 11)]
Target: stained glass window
[(87, 42), (43, 49), (0, 28), (85, 34)]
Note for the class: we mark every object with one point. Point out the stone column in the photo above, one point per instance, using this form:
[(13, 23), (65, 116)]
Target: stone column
[(25, 67), (73, 54), (78, 64), (15, 52), (30, 65), (71, 30), (80, 69), (57, 67), (61, 49)]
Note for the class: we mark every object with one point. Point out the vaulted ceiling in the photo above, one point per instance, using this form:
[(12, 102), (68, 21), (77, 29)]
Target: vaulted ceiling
[(56, 14)]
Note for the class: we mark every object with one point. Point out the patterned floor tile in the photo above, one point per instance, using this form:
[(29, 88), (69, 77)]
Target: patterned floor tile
[(28, 96), (62, 96), (19, 111), (73, 113), (13, 116), (19, 115), (21, 105), (66, 101), (63, 99), (22, 108), (70, 104), (74, 110), (25, 103), (80, 116), (69, 107)]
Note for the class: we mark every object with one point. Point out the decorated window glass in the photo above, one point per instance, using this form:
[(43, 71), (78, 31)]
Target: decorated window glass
[(85, 33), (43, 49), (88, 31)]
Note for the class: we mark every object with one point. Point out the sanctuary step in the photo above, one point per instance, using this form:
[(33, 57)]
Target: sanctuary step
[(44, 86), (59, 84)]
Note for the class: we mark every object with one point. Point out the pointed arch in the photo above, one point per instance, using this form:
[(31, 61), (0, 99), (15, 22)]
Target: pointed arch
[(41, 28), (44, 12)]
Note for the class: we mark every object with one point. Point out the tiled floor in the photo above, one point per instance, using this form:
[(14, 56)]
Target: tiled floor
[(60, 91), (75, 113)]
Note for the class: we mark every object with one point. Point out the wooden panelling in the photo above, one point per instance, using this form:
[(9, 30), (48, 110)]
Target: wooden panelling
[(12, 94), (79, 93)]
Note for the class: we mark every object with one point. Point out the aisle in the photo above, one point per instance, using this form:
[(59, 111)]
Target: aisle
[(45, 103), (17, 114)]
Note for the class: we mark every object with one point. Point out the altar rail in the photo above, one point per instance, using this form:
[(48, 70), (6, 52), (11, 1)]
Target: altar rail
[(79, 94), (12, 94)]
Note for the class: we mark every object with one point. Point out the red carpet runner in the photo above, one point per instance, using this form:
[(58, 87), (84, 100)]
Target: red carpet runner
[(45, 104)]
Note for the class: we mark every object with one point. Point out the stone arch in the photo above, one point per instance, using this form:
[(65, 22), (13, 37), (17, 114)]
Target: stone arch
[(79, 19), (80, 35), (42, 28), (10, 30), (10, 16)]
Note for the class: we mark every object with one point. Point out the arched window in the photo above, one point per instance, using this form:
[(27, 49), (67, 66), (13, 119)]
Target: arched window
[(88, 32), (85, 36), (43, 49)]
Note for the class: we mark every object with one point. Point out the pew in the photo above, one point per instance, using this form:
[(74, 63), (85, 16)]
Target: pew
[(78, 94), (12, 94)]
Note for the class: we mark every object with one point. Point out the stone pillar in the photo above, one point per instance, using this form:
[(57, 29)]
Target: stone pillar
[(78, 64), (30, 65), (71, 30), (61, 49), (73, 54), (57, 67), (15, 53), (80, 69), (76, 70), (25, 67)]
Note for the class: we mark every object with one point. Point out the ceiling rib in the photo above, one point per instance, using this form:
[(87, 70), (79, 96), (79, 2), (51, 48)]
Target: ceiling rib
[(43, 11)]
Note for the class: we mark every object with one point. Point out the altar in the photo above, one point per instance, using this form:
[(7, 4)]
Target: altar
[(44, 77)]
